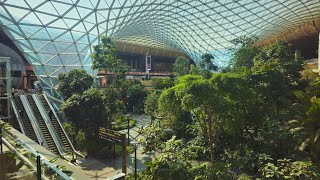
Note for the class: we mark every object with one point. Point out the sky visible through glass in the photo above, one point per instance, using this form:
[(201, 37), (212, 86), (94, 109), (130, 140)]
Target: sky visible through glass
[(56, 36)]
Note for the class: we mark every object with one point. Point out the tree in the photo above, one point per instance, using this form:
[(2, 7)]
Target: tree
[(215, 103), (243, 54), (151, 104), (174, 163), (104, 55), (86, 111), (161, 83), (113, 101), (104, 58), (206, 62), (206, 66), (153, 138), (181, 66), (283, 54), (136, 96), (74, 82)]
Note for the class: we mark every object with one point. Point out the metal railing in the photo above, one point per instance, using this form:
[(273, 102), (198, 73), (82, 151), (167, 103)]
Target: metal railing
[(48, 123), (16, 112), (59, 123), (33, 120), (44, 161)]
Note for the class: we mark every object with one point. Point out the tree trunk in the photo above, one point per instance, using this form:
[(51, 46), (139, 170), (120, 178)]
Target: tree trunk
[(210, 134), (211, 143)]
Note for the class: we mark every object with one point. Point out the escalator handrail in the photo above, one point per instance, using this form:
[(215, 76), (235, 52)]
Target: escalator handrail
[(53, 98), (48, 123), (15, 110), (54, 101), (33, 120), (59, 124)]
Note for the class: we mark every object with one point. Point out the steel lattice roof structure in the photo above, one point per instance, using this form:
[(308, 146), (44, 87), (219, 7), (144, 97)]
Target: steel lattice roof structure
[(56, 36)]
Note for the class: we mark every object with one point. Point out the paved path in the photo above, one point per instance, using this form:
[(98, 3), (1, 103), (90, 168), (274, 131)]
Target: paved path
[(114, 166), (91, 168), (141, 121)]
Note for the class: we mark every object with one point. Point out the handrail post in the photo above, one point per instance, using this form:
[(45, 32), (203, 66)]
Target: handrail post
[(38, 167)]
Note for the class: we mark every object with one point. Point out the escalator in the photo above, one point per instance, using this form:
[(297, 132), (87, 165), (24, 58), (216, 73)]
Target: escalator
[(28, 129), (47, 136), (63, 137)]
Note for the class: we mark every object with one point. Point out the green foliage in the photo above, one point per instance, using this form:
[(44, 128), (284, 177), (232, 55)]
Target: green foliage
[(206, 62), (80, 139), (74, 82), (104, 58), (136, 96), (276, 138), (194, 70), (172, 164), (94, 146), (130, 149), (244, 53), (288, 169), (174, 116), (205, 68), (307, 127), (161, 83), (151, 104), (113, 102), (241, 119), (214, 113), (154, 137), (76, 136), (121, 122), (76, 109), (70, 129), (104, 55), (181, 66), (199, 147), (283, 54)]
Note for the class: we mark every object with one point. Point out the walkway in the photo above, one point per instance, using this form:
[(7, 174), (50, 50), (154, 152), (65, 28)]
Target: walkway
[(91, 168), (141, 121)]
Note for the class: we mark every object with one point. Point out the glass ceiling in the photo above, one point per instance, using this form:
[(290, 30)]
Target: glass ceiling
[(57, 35)]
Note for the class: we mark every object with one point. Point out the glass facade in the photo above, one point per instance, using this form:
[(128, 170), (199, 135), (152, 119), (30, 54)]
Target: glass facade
[(56, 36)]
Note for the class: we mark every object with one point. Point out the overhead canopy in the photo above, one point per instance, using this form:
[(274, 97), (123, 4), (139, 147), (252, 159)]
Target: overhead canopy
[(57, 35)]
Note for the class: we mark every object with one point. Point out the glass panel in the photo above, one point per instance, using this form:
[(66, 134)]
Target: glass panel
[(54, 61), (192, 27)]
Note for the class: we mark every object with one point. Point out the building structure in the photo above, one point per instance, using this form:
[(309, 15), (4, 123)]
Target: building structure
[(57, 36)]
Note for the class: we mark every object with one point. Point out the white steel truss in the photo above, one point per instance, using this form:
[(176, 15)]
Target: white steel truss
[(56, 36)]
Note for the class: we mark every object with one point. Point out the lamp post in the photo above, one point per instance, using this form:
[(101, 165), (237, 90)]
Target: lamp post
[(135, 146), (127, 103), (128, 119)]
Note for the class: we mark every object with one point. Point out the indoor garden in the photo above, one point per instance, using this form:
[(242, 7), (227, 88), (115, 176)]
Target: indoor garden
[(258, 118)]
